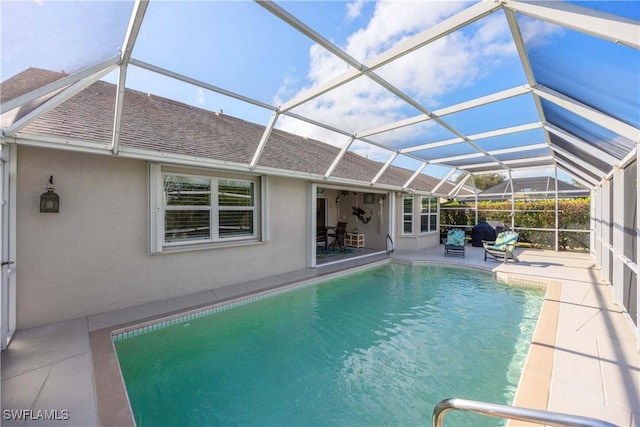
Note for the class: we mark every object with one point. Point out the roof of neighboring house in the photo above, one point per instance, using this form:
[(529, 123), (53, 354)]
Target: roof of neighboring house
[(158, 124), (528, 187)]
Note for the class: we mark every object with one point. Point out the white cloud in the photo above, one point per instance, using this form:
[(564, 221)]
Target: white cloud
[(450, 63), (354, 9), (536, 32)]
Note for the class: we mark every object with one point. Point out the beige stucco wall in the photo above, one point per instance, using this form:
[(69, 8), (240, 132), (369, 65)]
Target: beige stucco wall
[(417, 240), (93, 255)]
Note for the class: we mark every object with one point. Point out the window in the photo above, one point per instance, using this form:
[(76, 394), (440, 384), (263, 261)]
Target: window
[(194, 209), (407, 215), (428, 214)]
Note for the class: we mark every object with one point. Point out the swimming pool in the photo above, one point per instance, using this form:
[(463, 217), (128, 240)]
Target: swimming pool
[(376, 347)]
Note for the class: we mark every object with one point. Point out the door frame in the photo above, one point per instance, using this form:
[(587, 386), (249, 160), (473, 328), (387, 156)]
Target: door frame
[(8, 169)]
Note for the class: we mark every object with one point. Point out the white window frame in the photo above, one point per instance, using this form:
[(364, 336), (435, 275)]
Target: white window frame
[(432, 226), (157, 242), (407, 216)]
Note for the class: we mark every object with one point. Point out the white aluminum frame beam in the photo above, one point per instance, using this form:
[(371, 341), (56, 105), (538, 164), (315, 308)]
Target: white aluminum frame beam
[(637, 260), (57, 85), (431, 145), (484, 100), (589, 113), (506, 131), (443, 180), (483, 135), (576, 173), (480, 165), (477, 102), (587, 166), (263, 140), (582, 145), (579, 176), (473, 168), (450, 25), (458, 187), (199, 83), (529, 160), (516, 34), (335, 50), (137, 16), (216, 89), (339, 157), (492, 152), (117, 115), (384, 167), (58, 99), (415, 174), (599, 24), (618, 225)]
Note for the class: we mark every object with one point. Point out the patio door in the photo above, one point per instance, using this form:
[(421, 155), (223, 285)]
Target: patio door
[(7, 263)]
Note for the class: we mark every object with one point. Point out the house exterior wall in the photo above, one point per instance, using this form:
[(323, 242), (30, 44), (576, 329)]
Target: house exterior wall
[(93, 256), (416, 240)]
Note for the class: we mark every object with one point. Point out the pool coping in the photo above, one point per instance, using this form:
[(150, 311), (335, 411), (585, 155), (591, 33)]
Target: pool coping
[(114, 407)]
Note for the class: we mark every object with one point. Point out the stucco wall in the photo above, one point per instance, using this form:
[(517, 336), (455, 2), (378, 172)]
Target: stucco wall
[(93, 255), (417, 240)]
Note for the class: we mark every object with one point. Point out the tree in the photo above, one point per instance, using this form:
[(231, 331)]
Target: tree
[(484, 181)]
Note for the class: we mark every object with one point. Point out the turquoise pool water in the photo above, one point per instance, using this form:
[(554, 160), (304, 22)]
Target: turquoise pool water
[(376, 347)]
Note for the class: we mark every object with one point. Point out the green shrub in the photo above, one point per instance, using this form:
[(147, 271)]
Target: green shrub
[(573, 214)]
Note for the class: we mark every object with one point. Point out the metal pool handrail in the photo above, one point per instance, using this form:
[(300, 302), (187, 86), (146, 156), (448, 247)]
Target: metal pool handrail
[(390, 247), (513, 413)]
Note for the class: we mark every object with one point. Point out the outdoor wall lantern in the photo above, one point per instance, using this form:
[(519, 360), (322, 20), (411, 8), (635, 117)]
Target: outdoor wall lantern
[(50, 201)]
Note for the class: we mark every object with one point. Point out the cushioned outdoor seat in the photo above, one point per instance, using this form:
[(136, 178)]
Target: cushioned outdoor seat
[(503, 247), (454, 245)]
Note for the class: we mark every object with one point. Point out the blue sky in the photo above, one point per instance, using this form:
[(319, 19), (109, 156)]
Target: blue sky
[(241, 47)]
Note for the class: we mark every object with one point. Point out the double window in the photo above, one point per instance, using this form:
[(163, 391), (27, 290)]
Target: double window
[(195, 209), (428, 214)]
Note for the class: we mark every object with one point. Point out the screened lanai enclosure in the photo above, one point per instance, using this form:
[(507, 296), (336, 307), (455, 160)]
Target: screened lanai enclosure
[(431, 94)]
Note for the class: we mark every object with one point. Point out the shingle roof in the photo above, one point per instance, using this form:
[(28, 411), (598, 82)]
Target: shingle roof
[(520, 185), (159, 124)]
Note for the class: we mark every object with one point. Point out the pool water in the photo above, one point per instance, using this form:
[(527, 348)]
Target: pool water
[(376, 347)]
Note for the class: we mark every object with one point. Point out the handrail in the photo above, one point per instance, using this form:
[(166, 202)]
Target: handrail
[(390, 240), (513, 413)]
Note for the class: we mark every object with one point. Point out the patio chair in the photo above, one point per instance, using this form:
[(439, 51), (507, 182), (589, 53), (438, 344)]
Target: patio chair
[(338, 236), (322, 237), (454, 244), (502, 248)]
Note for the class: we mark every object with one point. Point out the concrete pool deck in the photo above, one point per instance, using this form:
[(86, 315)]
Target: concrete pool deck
[(584, 359)]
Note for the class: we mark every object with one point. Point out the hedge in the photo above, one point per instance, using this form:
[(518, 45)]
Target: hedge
[(573, 214)]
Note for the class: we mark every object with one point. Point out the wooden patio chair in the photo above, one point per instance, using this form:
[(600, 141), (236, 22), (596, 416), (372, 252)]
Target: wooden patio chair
[(502, 248)]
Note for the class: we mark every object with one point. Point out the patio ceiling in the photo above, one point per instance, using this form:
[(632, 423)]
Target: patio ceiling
[(572, 106)]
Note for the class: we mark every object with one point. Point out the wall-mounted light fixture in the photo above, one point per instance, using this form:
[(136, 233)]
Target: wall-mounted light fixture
[(49, 200)]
